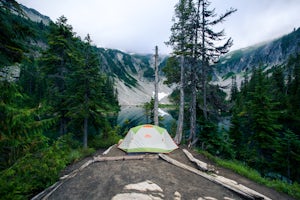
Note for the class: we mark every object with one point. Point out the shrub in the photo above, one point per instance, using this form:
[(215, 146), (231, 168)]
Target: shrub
[(36, 171), (106, 139)]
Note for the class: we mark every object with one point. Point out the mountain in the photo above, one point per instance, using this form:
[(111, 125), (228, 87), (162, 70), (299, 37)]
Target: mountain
[(35, 16), (268, 54), (133, 73)]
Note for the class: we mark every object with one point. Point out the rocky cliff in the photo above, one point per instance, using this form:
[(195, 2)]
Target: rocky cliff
[(268, 54), (134, 76)]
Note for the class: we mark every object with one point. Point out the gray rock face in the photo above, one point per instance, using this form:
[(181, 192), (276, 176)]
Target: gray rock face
[(35, 16), (267, 54)]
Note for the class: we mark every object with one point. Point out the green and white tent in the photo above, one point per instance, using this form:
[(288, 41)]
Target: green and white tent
[(148, 138)]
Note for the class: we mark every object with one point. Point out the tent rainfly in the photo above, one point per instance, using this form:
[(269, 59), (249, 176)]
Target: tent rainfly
[(148, 138)]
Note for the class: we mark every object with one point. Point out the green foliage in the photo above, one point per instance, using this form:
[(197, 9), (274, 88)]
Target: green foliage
[(263, 126), (149, 111), (57, 62), (35, 171), (11, 37), (292, 117), (149, 73), (287, 154), (17, 34), (21, 128), (248, 172), (32, 82), (79, 94), (244, 170), (48, 100), (115, 66), (288, 40), (228, 75), (172, 71), (129, 63), (216, 142), (107, 138)]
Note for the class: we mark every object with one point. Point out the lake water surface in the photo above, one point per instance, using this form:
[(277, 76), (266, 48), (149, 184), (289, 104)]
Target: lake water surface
[(131, 116)]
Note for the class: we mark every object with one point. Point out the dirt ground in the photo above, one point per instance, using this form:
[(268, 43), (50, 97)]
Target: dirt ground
[(111, 179)]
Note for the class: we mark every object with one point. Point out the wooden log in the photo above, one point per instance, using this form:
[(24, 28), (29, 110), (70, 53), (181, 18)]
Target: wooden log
[(45, 192), (116, 158), (201, 165), (107, 150), (53, 190), (227, 183)]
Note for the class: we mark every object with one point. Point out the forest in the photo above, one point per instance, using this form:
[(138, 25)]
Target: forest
[(263, 111), (63, 105), (60, 108)]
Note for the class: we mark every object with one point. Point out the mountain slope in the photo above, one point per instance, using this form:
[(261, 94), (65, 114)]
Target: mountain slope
[(133, 75), (268, 54), (35, 15)]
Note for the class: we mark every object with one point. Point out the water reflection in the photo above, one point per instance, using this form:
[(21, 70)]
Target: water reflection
[(131, 116)]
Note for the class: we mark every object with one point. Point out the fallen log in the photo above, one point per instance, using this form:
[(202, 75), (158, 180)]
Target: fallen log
[(47, 191), (107, 150), (116, 158), (227, 183), (201, 165)]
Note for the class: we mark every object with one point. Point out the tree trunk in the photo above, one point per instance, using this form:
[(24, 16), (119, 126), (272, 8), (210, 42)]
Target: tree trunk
[(86, 120), (85, 133), (63, 125), (204, 90), (178, 136), (193, 105), (193, 109), (156, 88), (204, 63)]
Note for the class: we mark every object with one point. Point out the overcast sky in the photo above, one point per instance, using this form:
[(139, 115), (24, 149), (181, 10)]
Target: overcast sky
[(138, 25)]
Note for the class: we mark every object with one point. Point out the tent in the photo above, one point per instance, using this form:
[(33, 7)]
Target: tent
[(148, 138)]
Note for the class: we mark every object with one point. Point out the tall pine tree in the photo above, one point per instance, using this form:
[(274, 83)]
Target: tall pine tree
[(57, 62), (207, 49), (87, 104), (181, 41)]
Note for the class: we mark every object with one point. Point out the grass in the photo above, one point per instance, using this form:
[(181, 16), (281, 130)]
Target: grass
[(244, 170)]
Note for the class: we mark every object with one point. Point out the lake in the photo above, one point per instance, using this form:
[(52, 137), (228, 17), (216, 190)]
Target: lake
[(131, 116)]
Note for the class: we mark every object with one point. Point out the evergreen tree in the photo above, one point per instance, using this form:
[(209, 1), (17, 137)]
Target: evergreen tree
[(293, 92), (255, 122), (210, 49), (57, 61), (12, 34), (21, 127), (149, 107), (172, 71), (181, 42), (32, 82), (286, 157), (262, 118), (88, 104), (234, 89), (207, 50)]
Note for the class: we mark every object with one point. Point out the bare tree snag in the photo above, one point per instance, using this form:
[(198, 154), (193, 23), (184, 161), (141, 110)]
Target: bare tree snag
[(201, 165), (156, 87)]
